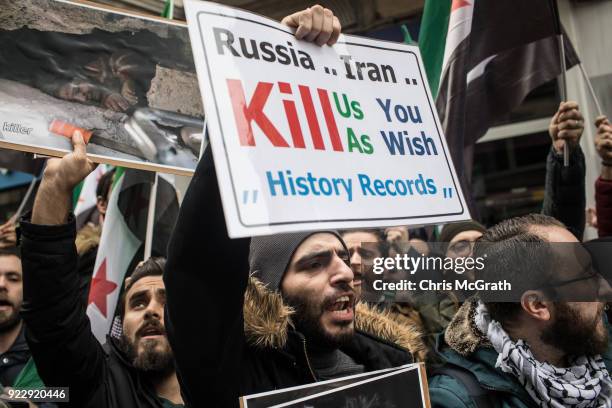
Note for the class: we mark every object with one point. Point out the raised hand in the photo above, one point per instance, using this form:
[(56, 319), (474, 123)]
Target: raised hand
[(61, 176), (70, 170), (566, 126), (603, 140), (315, 24)]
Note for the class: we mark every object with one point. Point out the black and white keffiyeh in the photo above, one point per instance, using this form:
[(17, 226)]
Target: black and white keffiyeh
[(585, 384)]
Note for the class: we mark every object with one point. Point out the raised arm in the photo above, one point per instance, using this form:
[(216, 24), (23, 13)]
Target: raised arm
[(564, 196), (603, 185), (207, 272), (206, 276), (57, 328)]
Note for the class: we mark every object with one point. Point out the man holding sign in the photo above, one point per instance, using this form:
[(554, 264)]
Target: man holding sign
[(307, 137), (292, 322), (134, 370)]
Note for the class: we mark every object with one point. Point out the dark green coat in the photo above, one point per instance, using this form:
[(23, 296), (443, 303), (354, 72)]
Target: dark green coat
[(480, 359)]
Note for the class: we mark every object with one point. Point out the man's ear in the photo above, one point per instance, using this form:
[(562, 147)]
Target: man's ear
[(535, 305), (101, 204)]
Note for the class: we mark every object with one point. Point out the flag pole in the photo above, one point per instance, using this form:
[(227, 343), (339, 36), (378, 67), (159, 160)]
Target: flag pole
[(204, 138), (591, 90), (24, 201), (563, 76), (563, 90), (151, 219), (168, 11)]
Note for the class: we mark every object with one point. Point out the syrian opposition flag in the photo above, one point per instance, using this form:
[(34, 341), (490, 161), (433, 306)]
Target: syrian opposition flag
[(117, 249), (123, 236), (494, 54), (168, 11), (85, 198)]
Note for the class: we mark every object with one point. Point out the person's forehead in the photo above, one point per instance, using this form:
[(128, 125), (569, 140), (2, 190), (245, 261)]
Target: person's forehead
[(148, 283), (10, 263), (358, 237), (319, 242), (470, 235)]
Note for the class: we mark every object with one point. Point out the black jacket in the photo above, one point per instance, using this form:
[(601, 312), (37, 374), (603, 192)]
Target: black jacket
[(58, 331), (14, 359), (206, 277), (564, 191)]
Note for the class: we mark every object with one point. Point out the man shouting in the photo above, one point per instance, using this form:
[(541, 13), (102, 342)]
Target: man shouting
[(293, 322)]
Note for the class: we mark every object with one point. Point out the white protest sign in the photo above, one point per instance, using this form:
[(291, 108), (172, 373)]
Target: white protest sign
[(307, 137)]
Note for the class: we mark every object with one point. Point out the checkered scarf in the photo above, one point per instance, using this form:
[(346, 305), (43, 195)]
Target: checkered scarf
[(585, 384)]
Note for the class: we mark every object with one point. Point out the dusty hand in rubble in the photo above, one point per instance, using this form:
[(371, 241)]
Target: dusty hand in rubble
[(116, 102), (128, 91)]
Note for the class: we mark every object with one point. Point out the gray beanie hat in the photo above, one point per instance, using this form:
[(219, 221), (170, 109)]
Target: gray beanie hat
[(269, 255)]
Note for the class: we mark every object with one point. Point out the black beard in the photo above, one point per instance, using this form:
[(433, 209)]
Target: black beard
[(571, 334), (149, 361), (307, 318), (10, 321)]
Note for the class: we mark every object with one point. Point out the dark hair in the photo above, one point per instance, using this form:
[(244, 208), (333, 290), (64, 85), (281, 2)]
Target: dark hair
[(11, 251), (377, 232), (514, 252), (151, 267), (451, 230), (104, 184), (418, 233)]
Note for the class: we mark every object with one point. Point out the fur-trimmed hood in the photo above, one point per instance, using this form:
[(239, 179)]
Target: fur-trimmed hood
[(88, 237), (462, 335), (267, 320)]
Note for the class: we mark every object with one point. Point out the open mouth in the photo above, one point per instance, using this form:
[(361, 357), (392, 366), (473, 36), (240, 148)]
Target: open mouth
[(5, 304), (342, 308), (151, 331)]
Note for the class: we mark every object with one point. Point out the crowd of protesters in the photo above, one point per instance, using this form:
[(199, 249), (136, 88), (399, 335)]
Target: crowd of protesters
[(221, 318)]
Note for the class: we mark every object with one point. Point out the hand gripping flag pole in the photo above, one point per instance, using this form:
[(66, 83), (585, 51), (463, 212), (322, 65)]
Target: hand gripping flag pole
[(563, 76)]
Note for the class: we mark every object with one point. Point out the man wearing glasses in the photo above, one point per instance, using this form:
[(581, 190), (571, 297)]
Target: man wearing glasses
[(457, 239), (549, 345)]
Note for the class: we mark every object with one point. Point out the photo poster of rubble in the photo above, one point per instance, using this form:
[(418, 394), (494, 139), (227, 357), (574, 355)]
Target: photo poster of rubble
[(128, 82)]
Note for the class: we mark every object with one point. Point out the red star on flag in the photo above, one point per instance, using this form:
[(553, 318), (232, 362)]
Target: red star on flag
[(100, 289), (457, 4)]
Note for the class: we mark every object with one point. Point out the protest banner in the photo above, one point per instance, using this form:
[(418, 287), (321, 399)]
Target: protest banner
[(394, 387), (127, 81), (307, 137)]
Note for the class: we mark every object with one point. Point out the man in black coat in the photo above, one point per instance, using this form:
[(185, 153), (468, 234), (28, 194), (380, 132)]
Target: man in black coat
[(247, 316), (294, 321), (135, 370), (14, 352)]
